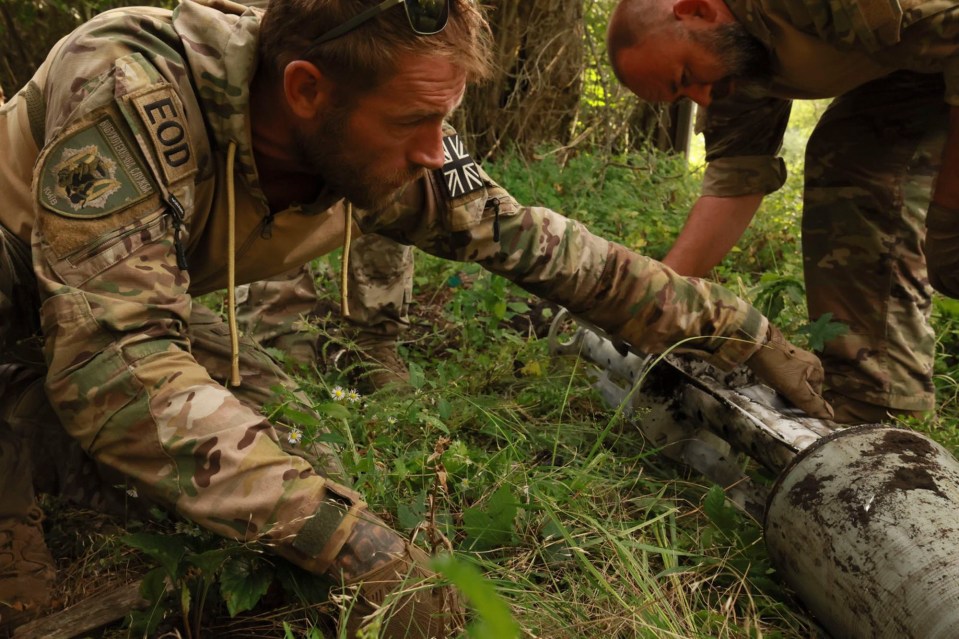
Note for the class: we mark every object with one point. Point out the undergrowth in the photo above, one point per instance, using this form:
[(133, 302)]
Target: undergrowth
[(496, 454)]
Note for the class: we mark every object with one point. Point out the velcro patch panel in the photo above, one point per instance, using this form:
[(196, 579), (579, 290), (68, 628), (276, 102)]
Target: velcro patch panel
[(161, 112)]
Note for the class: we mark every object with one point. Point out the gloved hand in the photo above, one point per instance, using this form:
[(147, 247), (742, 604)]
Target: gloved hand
[(942, 249), (793, 372)]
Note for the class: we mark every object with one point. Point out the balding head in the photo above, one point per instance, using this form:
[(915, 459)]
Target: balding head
[(631, 22), (665, 50)]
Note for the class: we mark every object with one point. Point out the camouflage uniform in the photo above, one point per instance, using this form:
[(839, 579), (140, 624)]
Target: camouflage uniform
[(870, 166), (116, 179), (380, 289)]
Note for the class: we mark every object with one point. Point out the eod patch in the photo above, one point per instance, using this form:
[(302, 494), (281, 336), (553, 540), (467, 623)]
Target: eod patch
[(161, 114), (93, 173)]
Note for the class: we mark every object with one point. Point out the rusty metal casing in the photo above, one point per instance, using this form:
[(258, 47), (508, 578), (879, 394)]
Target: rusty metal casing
[(864, 526)]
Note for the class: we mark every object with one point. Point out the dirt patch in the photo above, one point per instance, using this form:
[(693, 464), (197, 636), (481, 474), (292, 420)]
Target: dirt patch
[(807, 492), (913, 479)]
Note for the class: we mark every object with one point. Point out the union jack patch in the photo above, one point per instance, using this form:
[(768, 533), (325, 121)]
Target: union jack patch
[(461, 176)]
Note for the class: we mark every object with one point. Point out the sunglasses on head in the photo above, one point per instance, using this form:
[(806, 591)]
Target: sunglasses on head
[(426, 18)]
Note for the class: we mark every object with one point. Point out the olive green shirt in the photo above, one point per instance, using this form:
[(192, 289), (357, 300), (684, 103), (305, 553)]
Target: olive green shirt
[(820, 50)]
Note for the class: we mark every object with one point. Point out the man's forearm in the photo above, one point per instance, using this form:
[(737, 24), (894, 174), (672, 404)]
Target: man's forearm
[(714, 226)]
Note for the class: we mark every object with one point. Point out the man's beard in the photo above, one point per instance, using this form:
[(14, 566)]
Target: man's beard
[(326, 150), (746, 60)]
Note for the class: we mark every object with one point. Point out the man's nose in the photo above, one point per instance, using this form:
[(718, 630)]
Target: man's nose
[(427, 150), (701, 94)]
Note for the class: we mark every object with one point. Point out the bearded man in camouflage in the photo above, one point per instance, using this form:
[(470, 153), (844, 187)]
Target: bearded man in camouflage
[(884, 153), (156, 156)]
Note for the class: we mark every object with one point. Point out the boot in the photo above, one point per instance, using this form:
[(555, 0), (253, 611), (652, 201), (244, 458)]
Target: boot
[(26, 569), (386, 583), (381, 361), (394, 595), (853, 411)]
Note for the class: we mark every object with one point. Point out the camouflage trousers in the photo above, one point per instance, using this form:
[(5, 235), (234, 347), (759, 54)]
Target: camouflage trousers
[(380, 283), (870, 167)]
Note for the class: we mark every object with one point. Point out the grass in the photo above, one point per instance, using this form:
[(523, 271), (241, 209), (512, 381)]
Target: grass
[(497, 451)]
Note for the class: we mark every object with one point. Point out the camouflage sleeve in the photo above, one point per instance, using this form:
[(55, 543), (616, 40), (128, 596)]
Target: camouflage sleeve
[(631, 296), (743, 137), (928, 41), (114, 187), (917, 35)]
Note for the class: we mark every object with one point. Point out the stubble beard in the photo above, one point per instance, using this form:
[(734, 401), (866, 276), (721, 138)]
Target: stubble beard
[(746, 60), (326, 150)]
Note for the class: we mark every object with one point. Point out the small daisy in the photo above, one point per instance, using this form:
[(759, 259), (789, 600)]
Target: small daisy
[(338, 393), (391, 420), (295, 436), (353, 396)]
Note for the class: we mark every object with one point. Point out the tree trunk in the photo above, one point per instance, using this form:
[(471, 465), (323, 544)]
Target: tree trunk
[(534, 94)]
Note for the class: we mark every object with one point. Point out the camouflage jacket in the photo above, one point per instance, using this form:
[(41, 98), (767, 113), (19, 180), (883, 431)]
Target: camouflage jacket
[(114, 167), (820, 50)]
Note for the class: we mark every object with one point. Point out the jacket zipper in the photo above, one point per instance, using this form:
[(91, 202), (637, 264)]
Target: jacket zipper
[(177, 215)]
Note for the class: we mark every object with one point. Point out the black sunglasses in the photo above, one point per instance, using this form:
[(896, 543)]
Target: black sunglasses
[(426, 18)]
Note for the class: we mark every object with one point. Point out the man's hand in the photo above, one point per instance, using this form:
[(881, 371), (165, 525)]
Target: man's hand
[(793, 372)]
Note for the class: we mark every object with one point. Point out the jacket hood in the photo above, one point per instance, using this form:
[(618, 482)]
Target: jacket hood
[(219, 39)]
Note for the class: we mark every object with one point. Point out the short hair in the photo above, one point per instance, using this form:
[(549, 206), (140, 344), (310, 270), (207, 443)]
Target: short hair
[(365, 57), (630, 22)]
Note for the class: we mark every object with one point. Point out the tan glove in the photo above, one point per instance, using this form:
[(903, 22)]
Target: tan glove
[(793, 372)]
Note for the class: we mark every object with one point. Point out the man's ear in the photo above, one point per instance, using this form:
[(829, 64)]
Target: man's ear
[(306, 88), (695, 10)]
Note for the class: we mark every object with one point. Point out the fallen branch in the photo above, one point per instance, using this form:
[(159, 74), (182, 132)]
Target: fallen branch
[(89, 614)]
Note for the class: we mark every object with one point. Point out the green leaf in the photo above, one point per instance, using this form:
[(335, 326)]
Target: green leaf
[(333, 409), (774, 290), (823, 330), (153, 589), (167, 550), (946, 306), (417, 378), (444, 408), (723, 517), (412, 513), (299, 418), (332, 438), (153, 585), (211, 561), (185, 600), (434, 421), (244, 581), (495, 620), (491, 526)]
